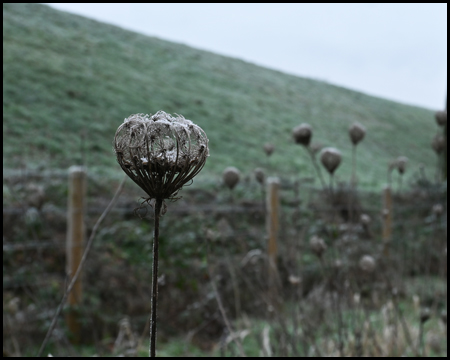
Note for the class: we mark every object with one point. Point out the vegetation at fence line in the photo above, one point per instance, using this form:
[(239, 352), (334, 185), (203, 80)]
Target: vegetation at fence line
[(64, 74), (361, 269)]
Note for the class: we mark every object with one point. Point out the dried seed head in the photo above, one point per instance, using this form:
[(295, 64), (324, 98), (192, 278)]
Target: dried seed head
[(268, 148), (317, 245), (160, 153), (367, 263), (425, 315), (438, 144), (438, 209), (302, 134), (330, 158), (231, 176), (365, 219), (259, 175), (441, 117), (401, 164), (356, 132)]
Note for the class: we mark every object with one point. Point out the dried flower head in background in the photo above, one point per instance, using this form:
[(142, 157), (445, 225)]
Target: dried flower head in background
[(302, 134), (259, 175), (356, 132), (441, 117), (401, 164), (367, 263), (438, 144), (317, 245), (231, 176), (268, 148), (330, 158), (160, 153)]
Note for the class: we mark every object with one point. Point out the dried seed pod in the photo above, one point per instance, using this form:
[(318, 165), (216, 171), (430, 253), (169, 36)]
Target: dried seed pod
[(438, 144), (259, 175), (367, 263), (160, 153), (425, 315), (302, 134), (401, 164), (268, 148), (317, 245), (231, 176), (441, 117), (356, 132), (330, 158)]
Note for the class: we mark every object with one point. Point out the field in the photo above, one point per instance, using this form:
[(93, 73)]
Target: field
[(351, 279)]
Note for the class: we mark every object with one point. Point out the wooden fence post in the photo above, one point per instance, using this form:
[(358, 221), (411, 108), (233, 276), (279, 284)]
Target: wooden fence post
[(75, 244), (272, 223), (387, 219)]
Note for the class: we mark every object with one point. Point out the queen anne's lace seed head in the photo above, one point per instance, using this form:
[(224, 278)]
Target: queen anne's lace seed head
[(268, 148), (357, 133), (438, 144), (302, 134), (259, 175), (441, 117), (401, 164), (160, 153), (231, 176), (330, 158)]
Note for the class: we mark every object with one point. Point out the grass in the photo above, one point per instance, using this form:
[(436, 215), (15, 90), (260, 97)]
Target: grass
[(68, 82)]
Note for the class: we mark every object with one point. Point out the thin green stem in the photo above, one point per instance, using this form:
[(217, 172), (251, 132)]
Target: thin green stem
[(316, 167), (158, 206)]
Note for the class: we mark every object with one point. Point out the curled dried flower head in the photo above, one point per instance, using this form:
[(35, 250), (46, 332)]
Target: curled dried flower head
[(160, 153), (367, 263), (302, 134), (330, 158), (401, 164), (231, 176), (259, 175), (317, 245), (356, 132), (441, 117), (438, 144), (269, 148)]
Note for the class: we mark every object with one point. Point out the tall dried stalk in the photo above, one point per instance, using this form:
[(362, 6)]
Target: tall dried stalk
[(160, 153)]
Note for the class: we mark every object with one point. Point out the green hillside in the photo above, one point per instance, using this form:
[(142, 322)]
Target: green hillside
[(68, 82)]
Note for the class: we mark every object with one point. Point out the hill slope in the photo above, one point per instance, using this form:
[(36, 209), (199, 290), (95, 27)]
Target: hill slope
[(68, 82)]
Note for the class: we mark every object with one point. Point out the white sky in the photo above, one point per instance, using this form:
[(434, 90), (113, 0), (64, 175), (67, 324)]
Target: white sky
[(395, 51)]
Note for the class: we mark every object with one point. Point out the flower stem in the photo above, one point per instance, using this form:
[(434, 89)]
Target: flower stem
[(158, 205)]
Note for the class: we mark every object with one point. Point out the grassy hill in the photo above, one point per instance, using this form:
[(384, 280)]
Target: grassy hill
[(68, 82)]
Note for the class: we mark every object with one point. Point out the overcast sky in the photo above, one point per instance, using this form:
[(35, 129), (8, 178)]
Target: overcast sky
[(395, 51)]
